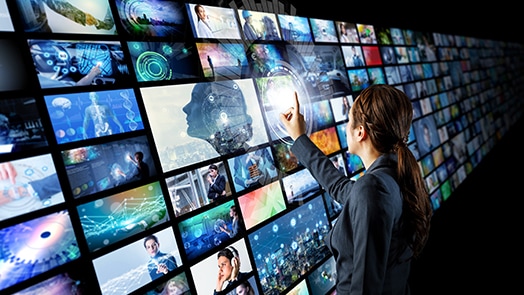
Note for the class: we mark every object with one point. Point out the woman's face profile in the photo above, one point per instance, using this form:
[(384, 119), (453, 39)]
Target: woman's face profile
[(242, 290), (217, 114), (195, 120)]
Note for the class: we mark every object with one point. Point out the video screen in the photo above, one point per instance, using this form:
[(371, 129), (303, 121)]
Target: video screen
[(85, 115), (353, 56), (35, 246), (427, 164), (418, 72), (333, 207), (206, 271), (74, 281), (285, 159), (6, 24), (323, 30), (372, 55), (405, 73), (401, 53), (300, 288), (163, 61), (21, 127), (97, 168), (397, 36), (61, 63), (354, 163), (205, 120), (326, 140), (413, 54), (323, 114), (392, 75), (295, 28), (432, 182), (342, 135), (222, 60), (426, 134), (458, 147), (33, 184), (323, 279), (388, 55), (119, 216), (376, 75), (289, 246), (269, 59), (253, 169), (178, 285), (13, 69), (366, 33), (153, 19), (340, 107), (139, 263), (261, 204), (383, 35), (67, 16), (359, 79), (322, 68), (212, 22), (198, 188), (300, 186), (258, 25), (347, 32), (204, 232), (338, 162)]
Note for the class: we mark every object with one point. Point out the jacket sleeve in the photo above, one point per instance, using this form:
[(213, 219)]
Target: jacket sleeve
[(322, 169)]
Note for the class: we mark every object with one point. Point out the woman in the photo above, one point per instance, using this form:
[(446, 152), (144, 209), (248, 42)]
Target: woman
[(245, 288), (386, 215), (203, 27)]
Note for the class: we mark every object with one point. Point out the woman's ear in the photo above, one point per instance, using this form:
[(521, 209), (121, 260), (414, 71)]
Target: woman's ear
[(362, 134)]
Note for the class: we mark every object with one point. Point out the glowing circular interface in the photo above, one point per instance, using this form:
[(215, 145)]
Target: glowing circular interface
[(152, 66)]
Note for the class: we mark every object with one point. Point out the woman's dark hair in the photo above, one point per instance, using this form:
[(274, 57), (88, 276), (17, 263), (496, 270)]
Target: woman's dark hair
[(386, 114), (197, 7)]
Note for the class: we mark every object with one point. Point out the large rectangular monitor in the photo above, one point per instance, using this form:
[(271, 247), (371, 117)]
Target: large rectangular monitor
[(84, 115), (66, 17), (21, 127), (72, 63), (95, 168), (33, 184), (205, 120), (36, 246), (144, 267), (290, 245)]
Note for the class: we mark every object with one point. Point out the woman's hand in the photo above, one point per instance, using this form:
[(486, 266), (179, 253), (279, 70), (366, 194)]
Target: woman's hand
[(293, 120)]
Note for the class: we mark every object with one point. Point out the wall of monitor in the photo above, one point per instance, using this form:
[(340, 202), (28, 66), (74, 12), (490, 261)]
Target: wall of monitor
[(116, 115)]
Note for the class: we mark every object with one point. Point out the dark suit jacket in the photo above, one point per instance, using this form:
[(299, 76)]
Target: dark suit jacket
[(215, 190), (371, 257)]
